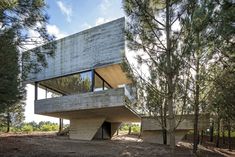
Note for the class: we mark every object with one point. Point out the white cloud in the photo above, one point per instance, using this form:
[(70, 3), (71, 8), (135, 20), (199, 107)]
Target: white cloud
[(54, 30), (86, 25), (101, 20), (65, 9), (35, 39), (104, 6)]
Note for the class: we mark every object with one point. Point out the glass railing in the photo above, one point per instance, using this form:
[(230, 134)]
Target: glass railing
[(130, 93)]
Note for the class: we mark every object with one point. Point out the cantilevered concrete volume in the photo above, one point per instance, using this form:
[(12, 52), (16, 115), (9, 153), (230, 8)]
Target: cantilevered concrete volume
[(84, 82)]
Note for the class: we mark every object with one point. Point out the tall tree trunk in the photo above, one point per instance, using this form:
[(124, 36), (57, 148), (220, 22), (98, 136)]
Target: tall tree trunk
[(129, 131), (165, 125), (212, 131), (223, 130), (8, 122), (229, 136), (218, 133), (60, 125), (163, 121), (202, 134), (170, 91), (196, 104)]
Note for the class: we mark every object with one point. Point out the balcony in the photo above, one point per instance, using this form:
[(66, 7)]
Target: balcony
[(110, 104)]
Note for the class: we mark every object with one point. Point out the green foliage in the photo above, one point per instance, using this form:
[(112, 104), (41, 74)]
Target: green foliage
[(135, 128), (221, 99), (14, 39), (124, 127), (32, 126), (10, 90), (49, 127), (27, 128)]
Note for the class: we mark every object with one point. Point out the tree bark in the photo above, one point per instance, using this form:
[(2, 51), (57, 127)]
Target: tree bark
[(218, 133), (164, 131), (202, 134), (129, 131), (196, 104), (223, 136), (169, 79), (229, 136), (165, 125), (212, 131), (60, 125), (8, 122)]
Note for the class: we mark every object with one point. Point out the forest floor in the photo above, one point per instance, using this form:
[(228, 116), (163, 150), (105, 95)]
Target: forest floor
[(50, 145)]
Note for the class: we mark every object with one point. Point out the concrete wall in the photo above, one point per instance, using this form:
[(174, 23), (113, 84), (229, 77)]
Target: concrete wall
[(149, 123), (84, 129), (155, 136), (94, 47), (92, 100), (152, 130)]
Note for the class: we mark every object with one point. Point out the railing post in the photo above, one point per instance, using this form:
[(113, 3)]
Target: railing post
[(92, 80), (36, 91)]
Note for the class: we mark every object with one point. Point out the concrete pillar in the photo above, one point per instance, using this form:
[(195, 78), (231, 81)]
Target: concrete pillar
[(84, 129), (114, 127)]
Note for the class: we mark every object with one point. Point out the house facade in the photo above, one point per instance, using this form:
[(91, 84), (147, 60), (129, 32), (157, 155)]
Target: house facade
[(87, 83)]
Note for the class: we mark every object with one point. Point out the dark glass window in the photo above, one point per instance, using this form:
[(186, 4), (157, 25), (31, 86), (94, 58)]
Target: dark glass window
[(106, 86), (98, 83), (72, 84)]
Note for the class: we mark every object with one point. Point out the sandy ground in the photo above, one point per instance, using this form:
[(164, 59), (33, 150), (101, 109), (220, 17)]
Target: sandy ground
[(50, 145)]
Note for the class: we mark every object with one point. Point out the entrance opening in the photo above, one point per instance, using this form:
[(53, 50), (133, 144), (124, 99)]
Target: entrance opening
[(104, 132)]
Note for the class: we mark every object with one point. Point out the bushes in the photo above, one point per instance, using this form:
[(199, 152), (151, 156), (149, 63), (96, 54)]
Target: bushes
[(27, 128), (135, 128), (33, 126), (49, 127)]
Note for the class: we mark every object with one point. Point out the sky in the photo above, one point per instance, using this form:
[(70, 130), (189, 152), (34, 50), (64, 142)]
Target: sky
[(68, 17), (72, 16)]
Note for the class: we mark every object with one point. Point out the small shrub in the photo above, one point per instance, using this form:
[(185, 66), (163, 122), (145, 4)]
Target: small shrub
[(46, 127), (135, 129), (27, 128)]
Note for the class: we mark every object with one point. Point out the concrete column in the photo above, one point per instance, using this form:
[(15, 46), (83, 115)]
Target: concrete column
[(114, 127), (84, 129)]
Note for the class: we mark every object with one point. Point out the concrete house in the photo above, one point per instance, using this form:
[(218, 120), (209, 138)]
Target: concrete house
[(88, 85)]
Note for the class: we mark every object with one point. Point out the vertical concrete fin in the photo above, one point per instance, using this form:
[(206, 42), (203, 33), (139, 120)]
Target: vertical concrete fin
[(114, 127), (84, 129)]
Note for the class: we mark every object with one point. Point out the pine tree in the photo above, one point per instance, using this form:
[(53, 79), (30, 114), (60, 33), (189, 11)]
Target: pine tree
[(152, 34), (17, 18), (11, 91)]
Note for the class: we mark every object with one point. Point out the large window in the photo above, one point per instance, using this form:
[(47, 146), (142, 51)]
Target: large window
[(100, 83), (72, 84)]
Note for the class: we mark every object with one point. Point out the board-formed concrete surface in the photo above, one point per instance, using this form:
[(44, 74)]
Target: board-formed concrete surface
[(84, 129), (98, 50), (151, 123), (91, 100), (91, 48), (152, 130)]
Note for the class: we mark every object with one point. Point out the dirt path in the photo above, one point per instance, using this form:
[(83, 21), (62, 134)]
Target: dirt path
[(53, 146)]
